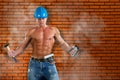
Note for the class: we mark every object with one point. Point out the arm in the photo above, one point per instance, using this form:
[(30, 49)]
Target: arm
[(61, 41), (73, 51), (22, 47)]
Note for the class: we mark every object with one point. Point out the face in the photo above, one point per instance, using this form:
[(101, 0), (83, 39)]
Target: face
[(42, 21)]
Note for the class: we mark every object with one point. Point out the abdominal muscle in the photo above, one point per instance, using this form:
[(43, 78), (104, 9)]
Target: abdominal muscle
[(42, 43), (39, 50)]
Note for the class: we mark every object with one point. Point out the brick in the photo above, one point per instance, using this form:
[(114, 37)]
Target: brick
[(96, 7), (114, 1), (105, 7), (22, 1)]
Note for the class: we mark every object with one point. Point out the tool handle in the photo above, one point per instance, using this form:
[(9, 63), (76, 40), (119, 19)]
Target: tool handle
[(12, 57), (8, 48)]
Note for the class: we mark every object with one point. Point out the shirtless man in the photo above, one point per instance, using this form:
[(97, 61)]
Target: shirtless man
[(42, 39)]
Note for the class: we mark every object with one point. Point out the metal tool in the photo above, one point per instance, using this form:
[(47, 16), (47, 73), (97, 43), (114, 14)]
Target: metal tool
[(8, 48)]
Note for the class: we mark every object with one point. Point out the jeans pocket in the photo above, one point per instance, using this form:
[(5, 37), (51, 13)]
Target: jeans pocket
[(53, 74), (52, 68)]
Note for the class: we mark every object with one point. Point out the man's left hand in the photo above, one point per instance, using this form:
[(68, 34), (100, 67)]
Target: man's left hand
[(74, 51)]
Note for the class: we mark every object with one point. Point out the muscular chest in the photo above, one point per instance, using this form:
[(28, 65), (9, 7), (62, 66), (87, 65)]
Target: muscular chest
[(42, 35)]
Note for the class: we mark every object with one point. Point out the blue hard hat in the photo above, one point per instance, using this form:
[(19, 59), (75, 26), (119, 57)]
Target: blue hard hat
[(40, 12)]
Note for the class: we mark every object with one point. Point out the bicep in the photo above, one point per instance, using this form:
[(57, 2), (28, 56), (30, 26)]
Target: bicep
[(26, 41), (59, 37), (28, 36)]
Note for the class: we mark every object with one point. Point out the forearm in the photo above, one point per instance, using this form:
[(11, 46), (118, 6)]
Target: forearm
[(23, 46), (18, 51), (66, 47)]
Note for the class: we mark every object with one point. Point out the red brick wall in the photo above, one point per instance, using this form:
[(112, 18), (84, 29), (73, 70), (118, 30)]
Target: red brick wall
[(93, 25)]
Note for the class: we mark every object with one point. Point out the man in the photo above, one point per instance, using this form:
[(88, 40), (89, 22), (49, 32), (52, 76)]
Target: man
[(42, 38)]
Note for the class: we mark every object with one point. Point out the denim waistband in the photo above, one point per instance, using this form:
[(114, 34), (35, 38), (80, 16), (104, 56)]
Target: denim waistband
[(42, 59)]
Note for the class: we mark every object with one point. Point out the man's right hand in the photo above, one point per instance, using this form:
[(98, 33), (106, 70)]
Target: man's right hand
[(11, 53)]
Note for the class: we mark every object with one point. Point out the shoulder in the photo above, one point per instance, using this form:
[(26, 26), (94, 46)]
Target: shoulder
[(56, 30), (30, 31)]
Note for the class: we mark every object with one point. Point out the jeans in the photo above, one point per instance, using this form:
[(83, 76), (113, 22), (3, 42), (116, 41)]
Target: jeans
[(42, 71)]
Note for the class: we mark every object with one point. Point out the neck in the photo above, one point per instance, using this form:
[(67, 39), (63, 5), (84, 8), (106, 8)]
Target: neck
[(43, 26)]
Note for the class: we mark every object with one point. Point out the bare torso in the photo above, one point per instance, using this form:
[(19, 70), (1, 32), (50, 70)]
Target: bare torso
[(42, 40)]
